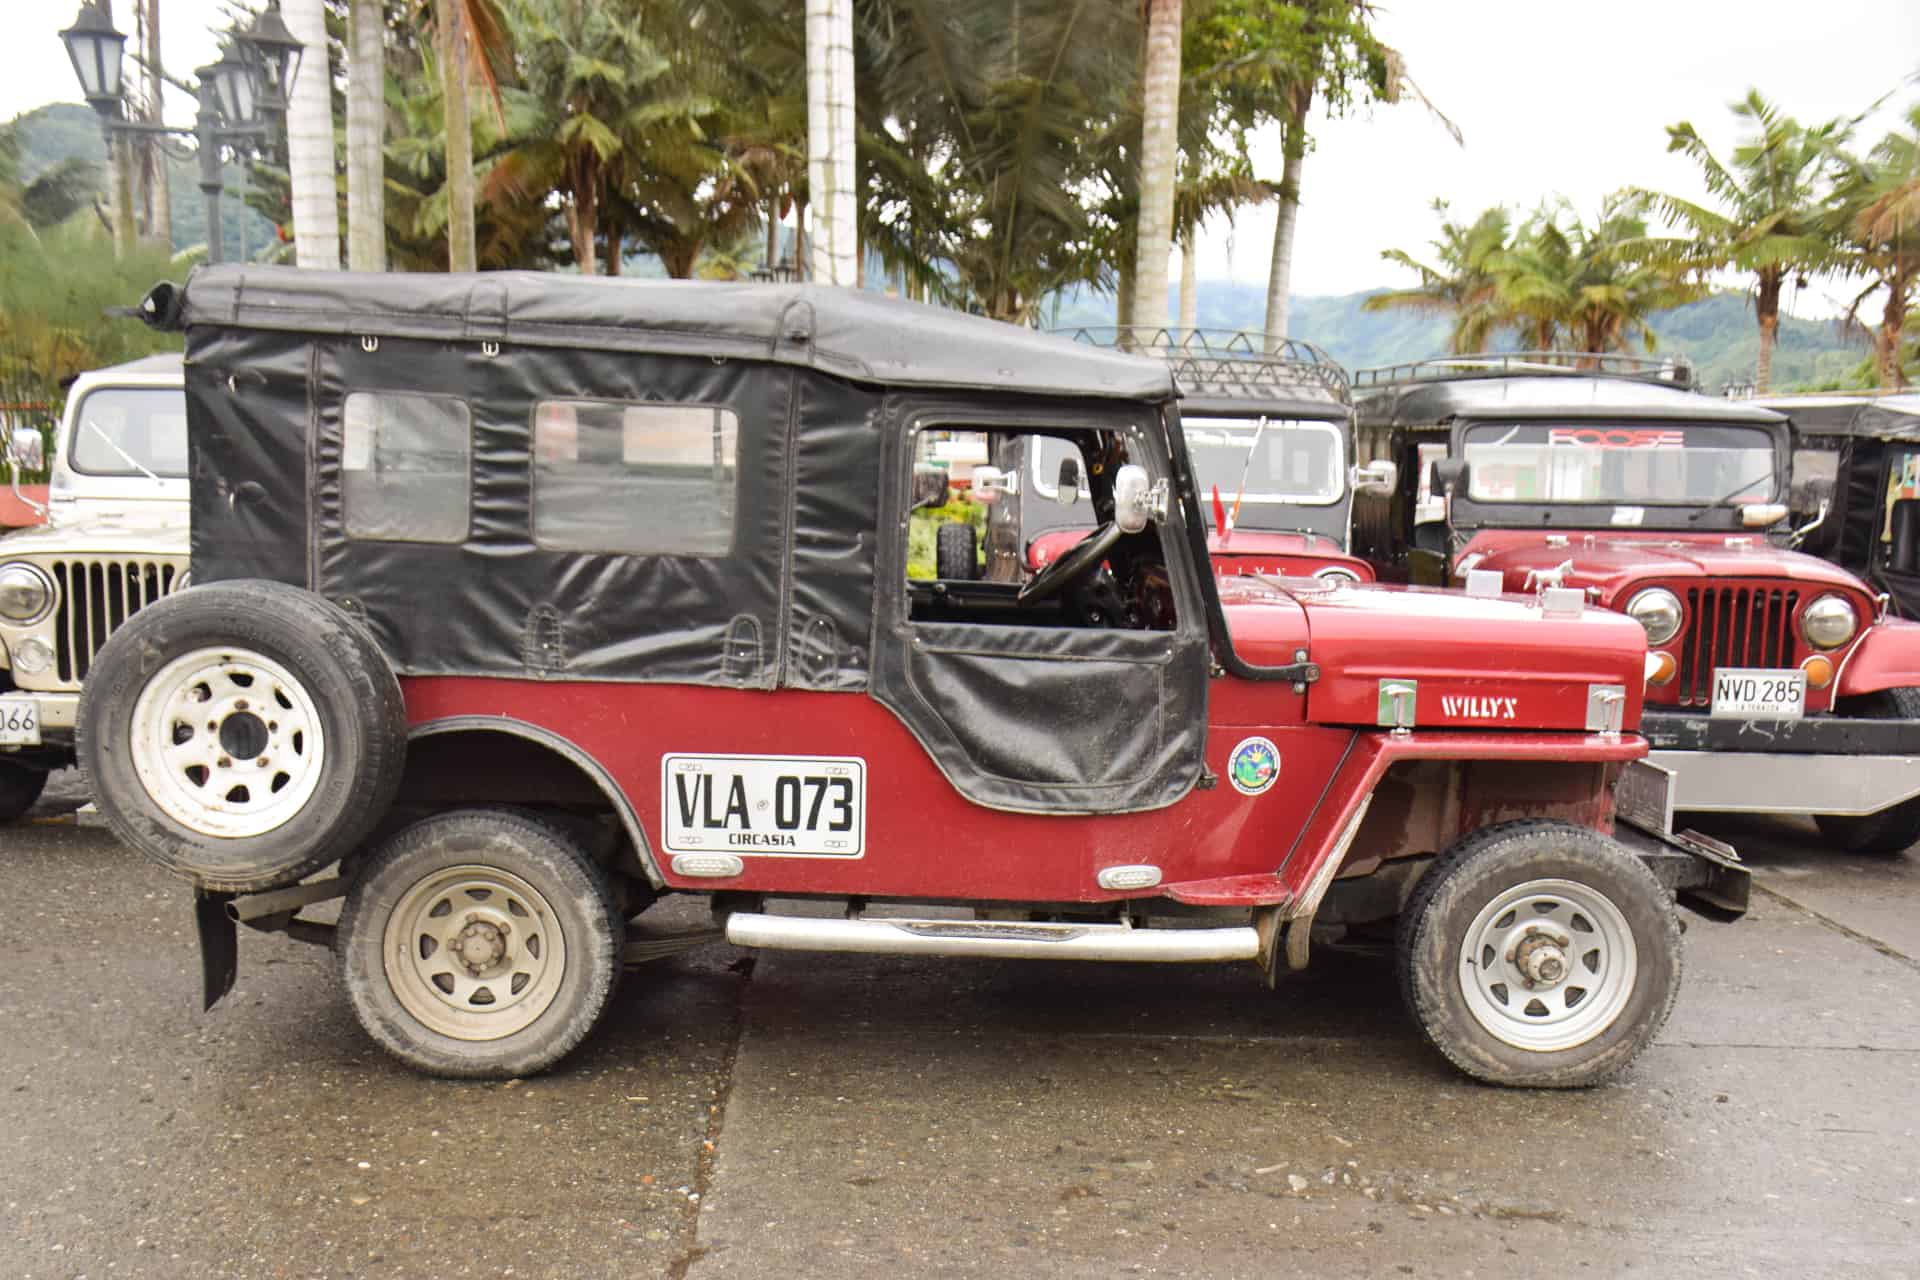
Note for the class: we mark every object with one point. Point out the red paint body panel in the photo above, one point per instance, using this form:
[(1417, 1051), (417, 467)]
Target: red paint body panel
[(1246, 551), (15, 514), (1457, 647), (1886, 657), (922, 838)]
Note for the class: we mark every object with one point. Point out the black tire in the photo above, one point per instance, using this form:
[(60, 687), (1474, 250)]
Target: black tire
[(397, 894), (1569, 864), (1893, 830), (345, 773), (20, 788), (956, 551)]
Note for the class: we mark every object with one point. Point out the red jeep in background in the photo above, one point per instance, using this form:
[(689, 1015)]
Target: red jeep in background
[(1268, 426), (1778, 684), (528, 600)]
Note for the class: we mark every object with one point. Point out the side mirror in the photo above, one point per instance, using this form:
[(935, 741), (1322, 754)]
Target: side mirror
[(989, 483), (1378, 478), (1449, 476), (27, 450), (1067, 490), (929, 486), (1136, 499)]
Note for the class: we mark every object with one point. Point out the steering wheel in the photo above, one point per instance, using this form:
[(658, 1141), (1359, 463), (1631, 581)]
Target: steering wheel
[(1076, 564)]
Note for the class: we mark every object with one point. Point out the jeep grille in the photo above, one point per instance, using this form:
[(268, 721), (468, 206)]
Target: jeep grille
[(1733, 627), (97, 595)]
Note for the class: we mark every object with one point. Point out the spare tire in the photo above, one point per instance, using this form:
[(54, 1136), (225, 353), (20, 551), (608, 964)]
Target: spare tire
[(956, 551), (242, 734)]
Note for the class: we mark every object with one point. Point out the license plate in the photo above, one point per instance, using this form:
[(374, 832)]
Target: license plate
[(772, 806), (19, 722), (1759, 691)]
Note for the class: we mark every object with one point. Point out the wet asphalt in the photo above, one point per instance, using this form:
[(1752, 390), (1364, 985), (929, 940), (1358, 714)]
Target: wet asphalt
[(792, 1115)]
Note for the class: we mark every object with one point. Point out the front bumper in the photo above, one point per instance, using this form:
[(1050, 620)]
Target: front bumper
[(58, 711), (1821, 764)]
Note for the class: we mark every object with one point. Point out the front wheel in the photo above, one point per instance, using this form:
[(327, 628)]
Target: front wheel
[(480, 944), (1539, 954), (1891, 830)]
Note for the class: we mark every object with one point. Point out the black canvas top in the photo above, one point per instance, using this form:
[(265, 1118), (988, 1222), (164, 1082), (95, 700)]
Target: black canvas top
[(845, 332), (1556, 395)]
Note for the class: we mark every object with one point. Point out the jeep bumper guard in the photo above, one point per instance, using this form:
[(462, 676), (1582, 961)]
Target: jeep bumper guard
[(1818, 765)]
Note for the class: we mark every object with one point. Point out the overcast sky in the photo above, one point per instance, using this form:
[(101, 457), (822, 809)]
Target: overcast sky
[(1553, 97)]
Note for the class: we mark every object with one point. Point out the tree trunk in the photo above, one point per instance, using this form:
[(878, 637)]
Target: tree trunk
[(366, 136), (1189, 286), (120, 180), (773, 229), (614, 249), (451, 39), (1892, 375), (1766, 309), (1286, 216), (310, 165), (1159, 153), (830, 178)]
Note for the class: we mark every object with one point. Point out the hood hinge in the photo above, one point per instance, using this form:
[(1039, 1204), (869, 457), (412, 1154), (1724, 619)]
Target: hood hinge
[(1302, 673)]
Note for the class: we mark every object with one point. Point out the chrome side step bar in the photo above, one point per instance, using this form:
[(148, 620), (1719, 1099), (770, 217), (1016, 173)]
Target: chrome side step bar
[(1008, 939)]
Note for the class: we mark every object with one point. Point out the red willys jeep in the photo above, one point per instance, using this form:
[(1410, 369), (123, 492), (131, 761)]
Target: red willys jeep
[(528, 600), (1779, 684)]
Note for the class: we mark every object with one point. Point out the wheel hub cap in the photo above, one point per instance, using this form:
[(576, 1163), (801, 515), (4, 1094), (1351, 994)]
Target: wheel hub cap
[(474, 952), (480, 946), (1541, 959), (1548, 964)]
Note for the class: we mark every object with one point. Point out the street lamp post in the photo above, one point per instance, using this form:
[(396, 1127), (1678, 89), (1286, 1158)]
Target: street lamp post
[(241, 98)]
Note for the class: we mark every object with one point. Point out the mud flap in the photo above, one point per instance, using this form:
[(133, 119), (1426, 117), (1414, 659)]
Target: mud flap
[(219, 945)]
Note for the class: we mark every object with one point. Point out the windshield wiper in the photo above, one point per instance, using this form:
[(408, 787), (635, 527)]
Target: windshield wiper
[(1725, 498), (125, 457)]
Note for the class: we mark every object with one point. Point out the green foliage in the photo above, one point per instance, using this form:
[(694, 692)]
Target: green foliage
[(923, 528)]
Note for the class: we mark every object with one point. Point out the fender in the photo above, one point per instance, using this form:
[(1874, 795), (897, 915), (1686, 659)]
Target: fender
[(1308, 867), (572, 754), (1887, 657)]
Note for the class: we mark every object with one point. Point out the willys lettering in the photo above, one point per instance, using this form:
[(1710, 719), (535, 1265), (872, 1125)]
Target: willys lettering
[(1466, 708)]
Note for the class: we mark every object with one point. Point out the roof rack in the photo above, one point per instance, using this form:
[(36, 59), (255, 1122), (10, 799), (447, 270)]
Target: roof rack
[(1238, 363), (1673, 370)]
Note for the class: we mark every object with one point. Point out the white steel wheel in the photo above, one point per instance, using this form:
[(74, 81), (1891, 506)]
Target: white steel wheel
[(1547, 965), (479, 943), (1540, 954), (227, 742), (474, 953)]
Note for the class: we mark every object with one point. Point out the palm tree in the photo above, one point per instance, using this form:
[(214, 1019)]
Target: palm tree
[(310, 161), (830, 141), (1463, 280), (1877, 202), (1160, 118), (1769, 220), (366, 135), (468, 39), (1588, 288)]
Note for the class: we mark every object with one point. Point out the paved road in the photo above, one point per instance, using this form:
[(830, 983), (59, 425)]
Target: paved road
[(877, 1116)]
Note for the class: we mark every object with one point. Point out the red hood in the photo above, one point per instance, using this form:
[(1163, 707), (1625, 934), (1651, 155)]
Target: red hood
[(1483, 662), (1615, 563)]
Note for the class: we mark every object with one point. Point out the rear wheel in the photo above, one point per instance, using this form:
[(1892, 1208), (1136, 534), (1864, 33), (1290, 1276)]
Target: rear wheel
[(1890, 830), (480, 943), (1539, 954), (20, 787), (956, 551)]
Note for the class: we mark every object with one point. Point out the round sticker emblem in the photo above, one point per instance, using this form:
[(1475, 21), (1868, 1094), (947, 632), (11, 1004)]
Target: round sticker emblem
[(1253, 766)]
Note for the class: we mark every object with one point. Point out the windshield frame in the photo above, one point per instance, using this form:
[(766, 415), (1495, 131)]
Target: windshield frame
[(76, 447), (1468, 511)]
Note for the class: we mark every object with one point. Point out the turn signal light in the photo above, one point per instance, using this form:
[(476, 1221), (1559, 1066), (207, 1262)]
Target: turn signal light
[(1819, 669), (1662, 667)]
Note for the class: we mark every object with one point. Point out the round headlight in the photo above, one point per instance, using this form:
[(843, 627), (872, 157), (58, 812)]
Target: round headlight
[(1658, 610), (25, 593), (1829, 622)]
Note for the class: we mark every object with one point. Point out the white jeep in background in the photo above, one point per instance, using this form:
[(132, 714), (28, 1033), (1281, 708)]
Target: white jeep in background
[(115, 540)]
